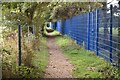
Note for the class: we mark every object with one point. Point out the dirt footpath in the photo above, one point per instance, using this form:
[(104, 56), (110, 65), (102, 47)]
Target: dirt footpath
[(58, 66)]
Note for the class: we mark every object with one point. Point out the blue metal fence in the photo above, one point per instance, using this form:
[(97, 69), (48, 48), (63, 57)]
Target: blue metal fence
[(97, 31), (58, 28)]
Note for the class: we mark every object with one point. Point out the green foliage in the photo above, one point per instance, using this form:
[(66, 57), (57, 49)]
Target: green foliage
[(34, 57), (86, 63), (28, 13), (114, 30), (62, 11), (23, 72), (40, 59), (38, 13)]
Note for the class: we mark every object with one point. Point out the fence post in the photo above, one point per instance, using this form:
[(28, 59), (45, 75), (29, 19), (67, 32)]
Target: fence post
[(97, 31), (88, 32), (111, 13), (19, 44)]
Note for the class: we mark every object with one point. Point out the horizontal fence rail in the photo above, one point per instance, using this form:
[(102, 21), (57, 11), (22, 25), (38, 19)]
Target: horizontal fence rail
[(97, 31)]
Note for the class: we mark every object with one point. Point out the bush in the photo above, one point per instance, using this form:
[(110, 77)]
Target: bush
[(10, 57)]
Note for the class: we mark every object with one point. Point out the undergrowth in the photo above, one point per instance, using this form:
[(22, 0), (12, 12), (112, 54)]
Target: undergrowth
[(86, 63), (34, 57)]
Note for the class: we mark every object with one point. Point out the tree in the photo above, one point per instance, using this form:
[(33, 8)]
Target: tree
[(66, 10)]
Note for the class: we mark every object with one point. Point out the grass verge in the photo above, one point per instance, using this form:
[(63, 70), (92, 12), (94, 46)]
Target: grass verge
[(40, 59), (86, 63)]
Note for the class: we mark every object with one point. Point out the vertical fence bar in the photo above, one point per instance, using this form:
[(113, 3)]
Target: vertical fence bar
[(97, 31), (19, 44), (88, 32), (70, 25), (33, 29), (118, 53), (62, 27), (93, 31), (111, 32), (21, 32), (52, 25)]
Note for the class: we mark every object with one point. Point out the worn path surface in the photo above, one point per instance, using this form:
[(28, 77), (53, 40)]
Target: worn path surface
[(58, 66)]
